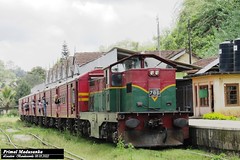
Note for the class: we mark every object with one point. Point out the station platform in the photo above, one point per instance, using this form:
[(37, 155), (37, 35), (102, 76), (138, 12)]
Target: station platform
[(215, 134), (217, 124)]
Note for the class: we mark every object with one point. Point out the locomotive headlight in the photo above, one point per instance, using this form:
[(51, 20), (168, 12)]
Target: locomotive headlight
[(151, 73)]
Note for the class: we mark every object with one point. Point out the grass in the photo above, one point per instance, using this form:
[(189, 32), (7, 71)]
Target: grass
[(91, 149)]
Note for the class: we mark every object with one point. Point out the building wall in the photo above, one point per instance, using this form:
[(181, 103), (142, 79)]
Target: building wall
[(220, 95), (216, 97), (103, 62), (185, 58)]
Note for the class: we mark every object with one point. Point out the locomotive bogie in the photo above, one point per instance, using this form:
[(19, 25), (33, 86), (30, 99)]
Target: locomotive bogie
[(97, 119)]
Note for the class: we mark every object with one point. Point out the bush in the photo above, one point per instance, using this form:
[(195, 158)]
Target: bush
[(218, 116), (12, 113)]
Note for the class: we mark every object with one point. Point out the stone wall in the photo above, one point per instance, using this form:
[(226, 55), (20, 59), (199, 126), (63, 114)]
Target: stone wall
[(223, 139)]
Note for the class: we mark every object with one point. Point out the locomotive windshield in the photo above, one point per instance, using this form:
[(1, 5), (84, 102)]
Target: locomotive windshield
[(132, 63), (135, 63), (150, 62)]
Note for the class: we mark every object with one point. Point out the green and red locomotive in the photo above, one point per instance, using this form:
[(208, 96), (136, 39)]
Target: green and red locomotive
[(134, 98)]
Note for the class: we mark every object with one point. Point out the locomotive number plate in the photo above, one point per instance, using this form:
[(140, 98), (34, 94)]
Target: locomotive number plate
[(154, 92)]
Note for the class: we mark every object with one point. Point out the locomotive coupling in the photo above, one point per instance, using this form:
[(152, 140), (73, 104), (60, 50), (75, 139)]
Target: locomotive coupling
[(154, 123)]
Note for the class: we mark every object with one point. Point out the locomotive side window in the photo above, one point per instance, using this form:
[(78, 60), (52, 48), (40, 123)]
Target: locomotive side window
[(107, 76), (132, 63), (91, 82), (117, 79), (118, 68), (129, 87)]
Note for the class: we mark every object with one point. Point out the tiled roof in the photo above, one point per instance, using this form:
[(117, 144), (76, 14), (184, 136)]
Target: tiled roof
[(165, 54), (204, 62), (168, 53), (85, 57)]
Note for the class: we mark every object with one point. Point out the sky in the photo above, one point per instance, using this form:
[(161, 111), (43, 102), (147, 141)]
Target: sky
[(32, 32)]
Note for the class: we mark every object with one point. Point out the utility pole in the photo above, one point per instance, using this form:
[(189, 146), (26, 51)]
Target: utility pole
[(158, 37), (189, 43)]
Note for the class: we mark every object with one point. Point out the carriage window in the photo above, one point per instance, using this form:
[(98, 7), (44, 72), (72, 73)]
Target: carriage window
[(73, 96), (231, 94)]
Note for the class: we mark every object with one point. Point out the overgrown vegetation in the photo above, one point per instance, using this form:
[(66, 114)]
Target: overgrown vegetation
[(218, 116)]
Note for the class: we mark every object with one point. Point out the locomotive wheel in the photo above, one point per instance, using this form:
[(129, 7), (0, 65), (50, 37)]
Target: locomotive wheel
[(60, 124), (86, 130), (115, 137), (40, 121), (46, 122), (51, 122), (36, 120)]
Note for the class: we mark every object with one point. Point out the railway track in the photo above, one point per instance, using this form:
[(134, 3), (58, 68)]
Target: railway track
[(69, 156)]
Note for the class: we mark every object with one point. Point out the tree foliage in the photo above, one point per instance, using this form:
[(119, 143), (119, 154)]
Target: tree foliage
[(22, 89), (7, 97), (7, 77), (210, 22), (35, 76), (16, 83)]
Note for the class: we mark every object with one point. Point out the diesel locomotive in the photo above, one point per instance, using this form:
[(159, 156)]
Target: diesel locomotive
[(133, 99)]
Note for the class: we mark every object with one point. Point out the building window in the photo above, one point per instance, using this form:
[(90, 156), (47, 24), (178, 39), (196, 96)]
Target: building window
[(203, 96), (231, 94)]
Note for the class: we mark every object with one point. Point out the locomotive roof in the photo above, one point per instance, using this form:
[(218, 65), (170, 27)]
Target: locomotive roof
[(178, 66)]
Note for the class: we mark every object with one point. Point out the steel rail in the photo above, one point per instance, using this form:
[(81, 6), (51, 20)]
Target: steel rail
[(9, 139), (44, 143), (48, 144)]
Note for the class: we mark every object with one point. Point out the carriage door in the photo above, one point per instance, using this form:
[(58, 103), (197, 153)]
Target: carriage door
[(72, 99), (57, 109)]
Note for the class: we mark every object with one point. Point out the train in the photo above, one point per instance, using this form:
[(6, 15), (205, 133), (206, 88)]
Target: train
[(132, 100)]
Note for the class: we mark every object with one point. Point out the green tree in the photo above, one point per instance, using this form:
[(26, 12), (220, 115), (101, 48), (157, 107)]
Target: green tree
[(22, 90), (7, 98), (210, 23), (7, 77), (39, 71), (35, 76)]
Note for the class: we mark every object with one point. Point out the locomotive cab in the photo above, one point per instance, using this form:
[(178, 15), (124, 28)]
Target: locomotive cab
[(142, 85)]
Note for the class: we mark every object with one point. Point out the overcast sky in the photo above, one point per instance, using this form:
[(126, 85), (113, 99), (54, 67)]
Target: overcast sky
[(32, 32)]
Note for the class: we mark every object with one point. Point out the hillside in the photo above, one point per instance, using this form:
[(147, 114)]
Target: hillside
[(209, 23)]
